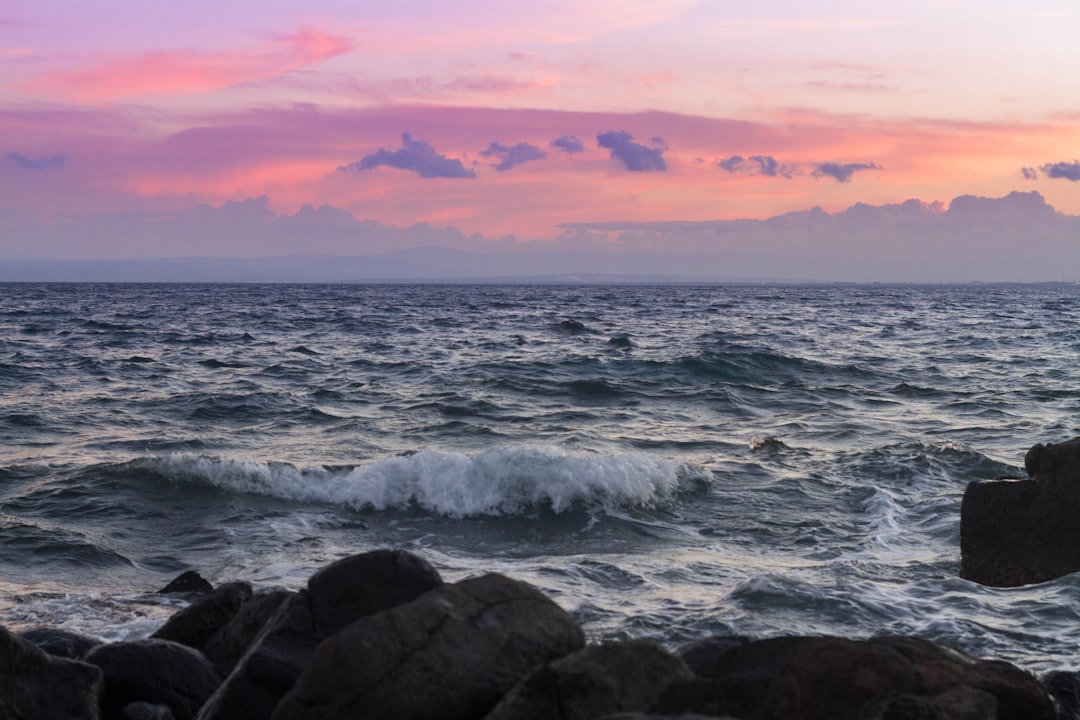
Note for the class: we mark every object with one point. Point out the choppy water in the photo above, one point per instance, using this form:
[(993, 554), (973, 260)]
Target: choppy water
[(664, 461)]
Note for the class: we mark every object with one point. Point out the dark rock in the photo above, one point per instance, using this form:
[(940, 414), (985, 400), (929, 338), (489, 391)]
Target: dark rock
[(270, 667), (61, 643), (361, 585), (802, 678), (225, 648), (158, 672), (597, 680), (451, 654), (705, 657), (571, 327), (1064, 687), (187, 582), (1017, 532), (621, 342), (35, 685), (651, 716), (146, 711), (198, 622), (337, 595)]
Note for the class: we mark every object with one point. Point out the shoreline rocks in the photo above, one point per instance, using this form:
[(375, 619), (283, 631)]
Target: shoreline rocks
[(379, 635), (1017, 531)]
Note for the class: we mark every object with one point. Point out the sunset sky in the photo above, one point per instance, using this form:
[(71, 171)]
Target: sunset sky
[(516, 118)]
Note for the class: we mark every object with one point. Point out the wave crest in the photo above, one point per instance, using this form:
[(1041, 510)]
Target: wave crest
[(500, 481)]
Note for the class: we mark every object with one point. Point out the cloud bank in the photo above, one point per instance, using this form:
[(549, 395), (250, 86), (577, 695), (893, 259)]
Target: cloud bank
[(1063, 170)]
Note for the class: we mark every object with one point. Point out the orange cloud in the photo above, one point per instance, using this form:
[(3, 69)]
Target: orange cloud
[(183, 72)]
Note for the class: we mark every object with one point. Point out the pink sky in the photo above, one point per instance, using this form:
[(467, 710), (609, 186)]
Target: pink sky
[(452, 113)]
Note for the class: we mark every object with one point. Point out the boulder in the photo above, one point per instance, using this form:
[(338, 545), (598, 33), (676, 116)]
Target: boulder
[(35, 685), (886, 678), (1022, 531), (337, 595), (196, 624), (188, 581), (451, 654), (597, 680), (61, 643), (225, 648), (156, 672), (1064, 687)]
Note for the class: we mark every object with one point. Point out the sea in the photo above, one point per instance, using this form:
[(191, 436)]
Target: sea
[(664, 461)]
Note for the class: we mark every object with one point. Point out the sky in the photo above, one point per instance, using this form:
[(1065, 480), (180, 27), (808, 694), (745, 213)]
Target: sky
[(521, 124)]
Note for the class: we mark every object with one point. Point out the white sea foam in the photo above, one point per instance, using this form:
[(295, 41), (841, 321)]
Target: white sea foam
[(503, 480)]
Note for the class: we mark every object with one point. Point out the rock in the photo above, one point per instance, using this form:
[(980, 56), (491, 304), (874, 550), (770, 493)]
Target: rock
[(61, 643), (225, 648), (146, 711), (35, 685), (1064, 687), (337, 595), (158, 672), (572, 327), (187, 582), (706, 657), (886, 678), (1017, 532), (451, 654), (594, 681), (196, 624), (360, 585)]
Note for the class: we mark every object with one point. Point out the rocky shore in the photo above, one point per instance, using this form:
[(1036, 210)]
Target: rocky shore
[(381, 636)]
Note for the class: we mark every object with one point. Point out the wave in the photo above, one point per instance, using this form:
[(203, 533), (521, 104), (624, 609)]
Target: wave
[(505, 480)]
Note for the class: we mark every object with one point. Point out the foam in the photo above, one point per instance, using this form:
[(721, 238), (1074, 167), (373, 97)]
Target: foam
[(502, 480)]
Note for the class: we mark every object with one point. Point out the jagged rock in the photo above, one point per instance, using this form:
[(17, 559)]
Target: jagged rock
[(1017, 532), (196, 624), (188, 581), (337, 595), (158, 672), (451, 654), (61, 643), (804, 678), (35, 685), (225, 648), (599, 679)]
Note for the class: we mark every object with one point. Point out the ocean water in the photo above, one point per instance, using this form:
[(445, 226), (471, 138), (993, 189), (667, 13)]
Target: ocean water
[(666, 462)]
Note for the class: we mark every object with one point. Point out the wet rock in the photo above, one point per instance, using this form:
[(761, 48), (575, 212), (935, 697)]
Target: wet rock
[(232, 640), (451, 655), (196, 624), (594, 681), (1064, 687), (187, 582), (1017, 532), (572, 327), (61, 643), (620, 342), (887, 678), (157, 672), (337, 595), (35, 685)]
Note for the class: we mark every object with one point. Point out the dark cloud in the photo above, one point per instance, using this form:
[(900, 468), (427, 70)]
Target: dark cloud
[(1066, 170), (757, 165), (416, 155), (568, 143), (512, 156), (27, 163), (634, 156), (1029, 173), (841, 172)]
